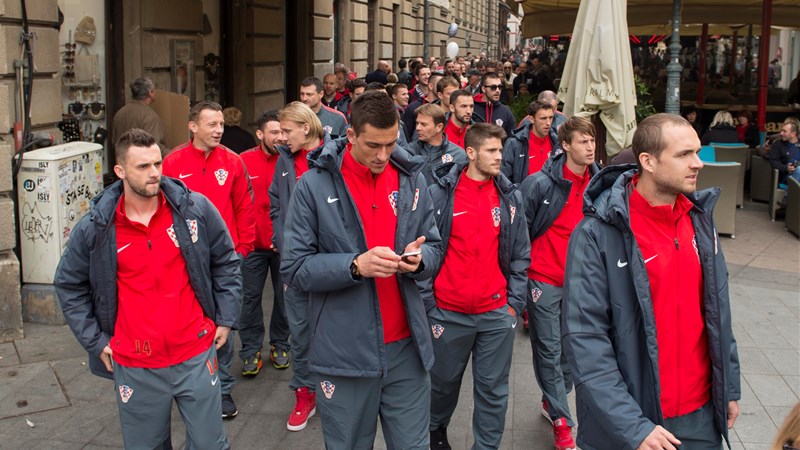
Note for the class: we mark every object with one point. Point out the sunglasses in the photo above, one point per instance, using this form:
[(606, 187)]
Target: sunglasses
[(492, 87)]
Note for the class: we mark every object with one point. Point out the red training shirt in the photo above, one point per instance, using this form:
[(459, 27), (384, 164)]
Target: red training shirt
[(549, 251), (375, 197), (666, 238), (470, 280), (301, 163), (455, 134), (160, 322), (223, 179), (261, 168), (538, 151)]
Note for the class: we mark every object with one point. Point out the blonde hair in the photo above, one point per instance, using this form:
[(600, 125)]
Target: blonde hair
[(722, 118), (790, 430), (300, 113), (232, 116)]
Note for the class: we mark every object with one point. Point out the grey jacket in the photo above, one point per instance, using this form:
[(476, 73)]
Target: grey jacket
[(324, 233), (609, 330), (545, 193), (86, 277), (280, 191), (435, 157), (515, 152), (515, 247)]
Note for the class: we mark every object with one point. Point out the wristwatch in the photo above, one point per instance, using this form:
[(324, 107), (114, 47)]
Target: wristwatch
[(354, 269)]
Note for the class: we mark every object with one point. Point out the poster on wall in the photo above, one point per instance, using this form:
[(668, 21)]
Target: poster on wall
[(183, 80)]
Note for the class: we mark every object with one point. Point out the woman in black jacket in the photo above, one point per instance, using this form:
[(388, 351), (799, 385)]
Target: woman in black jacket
[(746, 130), (721, 130)]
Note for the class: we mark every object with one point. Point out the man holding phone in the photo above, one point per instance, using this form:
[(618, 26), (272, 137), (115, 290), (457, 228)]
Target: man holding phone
[(360, 230), (481, 288)]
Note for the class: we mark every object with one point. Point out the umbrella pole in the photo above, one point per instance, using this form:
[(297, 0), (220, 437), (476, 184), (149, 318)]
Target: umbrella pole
[(701, 73), (600, 153), (763, 61), (673, 102)]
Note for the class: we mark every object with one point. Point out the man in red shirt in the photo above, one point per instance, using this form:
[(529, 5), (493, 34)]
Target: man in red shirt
[(215, 171), (553, 207), (462, 105), (480, 289), (260, 163), (150, 285), (646, 310)]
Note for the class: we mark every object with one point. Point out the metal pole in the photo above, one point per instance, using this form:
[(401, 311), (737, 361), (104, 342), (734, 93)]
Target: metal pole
[(748, 60), (673, 103), (490, 34), (763, 61), (731, 80), (701, 72), (425, 30)]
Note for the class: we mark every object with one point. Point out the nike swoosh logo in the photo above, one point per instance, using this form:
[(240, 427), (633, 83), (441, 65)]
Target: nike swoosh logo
[(650, 259), (123, 247), (522, 155), (214, 381), (182, 176), (621, 264), (332, 200), (439, 212), (546, 202), (254, 177), (531, 157), (459, 213), (284, 174)]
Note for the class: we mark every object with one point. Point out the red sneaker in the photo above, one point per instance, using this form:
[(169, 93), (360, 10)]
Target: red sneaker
[(525, 319), (563, 435), (305, 406)]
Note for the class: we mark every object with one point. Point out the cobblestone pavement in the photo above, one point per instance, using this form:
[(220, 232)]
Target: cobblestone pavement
[(44, 378)]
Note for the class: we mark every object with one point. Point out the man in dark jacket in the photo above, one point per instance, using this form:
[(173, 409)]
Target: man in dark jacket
[(409, 117), (553, 207), (432, 143), (785, 152), (480, 289), (646, 311), (150, 285), (527, 150), (488, 108), (360, 230)]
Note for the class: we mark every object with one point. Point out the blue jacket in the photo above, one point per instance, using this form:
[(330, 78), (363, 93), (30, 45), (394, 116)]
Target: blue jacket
[(547, 185), (515, 247), (435, 157), (323, 235), (515, 152), (281, 189), (86, 277), (608, 325), (495, 113)]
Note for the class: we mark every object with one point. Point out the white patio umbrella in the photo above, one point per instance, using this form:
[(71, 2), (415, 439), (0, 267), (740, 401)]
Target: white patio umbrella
[(598, 74)]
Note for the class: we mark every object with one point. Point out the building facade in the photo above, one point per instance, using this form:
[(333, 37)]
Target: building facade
[(250, 54)]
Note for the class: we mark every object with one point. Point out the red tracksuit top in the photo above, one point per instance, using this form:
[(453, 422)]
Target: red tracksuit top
[(470, 280), (454, 134), (223, 179), (375, 197), (539, 150), (549, 251), (261, 168), (666, 238), (160, 322)]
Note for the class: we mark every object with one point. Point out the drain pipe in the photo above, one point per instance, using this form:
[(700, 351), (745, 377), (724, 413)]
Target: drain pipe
[(425, 31)]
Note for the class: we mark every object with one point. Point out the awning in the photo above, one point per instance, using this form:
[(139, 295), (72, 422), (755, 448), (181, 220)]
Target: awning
[(544, 17)]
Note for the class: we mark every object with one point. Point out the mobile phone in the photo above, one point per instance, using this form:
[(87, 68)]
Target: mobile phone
[(414, 253)]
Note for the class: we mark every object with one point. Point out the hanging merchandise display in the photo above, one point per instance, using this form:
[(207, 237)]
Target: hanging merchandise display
[(86, 31)]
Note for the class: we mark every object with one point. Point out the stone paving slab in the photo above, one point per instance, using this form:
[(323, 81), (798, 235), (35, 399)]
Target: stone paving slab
[(8, 355), (29, 388)]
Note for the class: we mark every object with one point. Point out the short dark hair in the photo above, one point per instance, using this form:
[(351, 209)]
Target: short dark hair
[(135, 137), (200, 106), (480, 64), (419, 67), (488, 75), (373, 108), (649, 135), (442, 84), (396, 87), (574, 125), (267, 116), (340, 70), (478, 133), (375, 86), (402, 63), (312, 81), (536, 105), (357, 83), (459, 93)]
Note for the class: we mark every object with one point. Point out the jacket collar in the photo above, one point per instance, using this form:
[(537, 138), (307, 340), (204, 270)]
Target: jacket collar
[(104, 205)]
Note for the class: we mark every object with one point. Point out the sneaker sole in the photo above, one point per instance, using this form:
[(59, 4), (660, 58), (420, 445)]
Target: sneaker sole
[(231, 415), (303, 425), (546, 415), (280, 367)]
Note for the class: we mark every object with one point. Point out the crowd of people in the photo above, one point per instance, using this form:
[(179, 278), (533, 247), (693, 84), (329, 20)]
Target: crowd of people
[(409, 222)]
